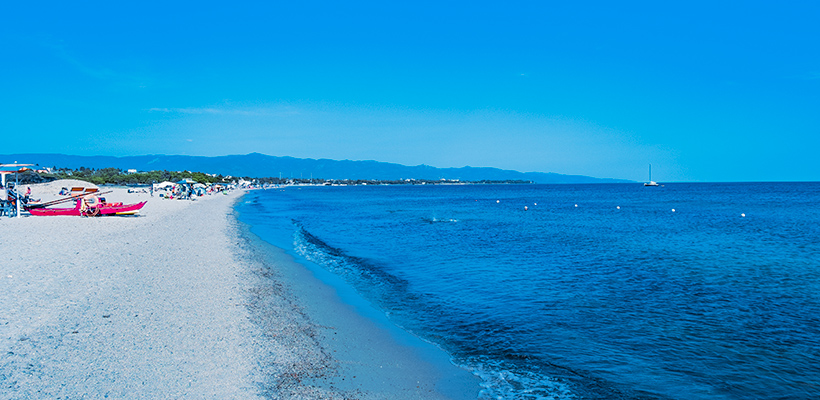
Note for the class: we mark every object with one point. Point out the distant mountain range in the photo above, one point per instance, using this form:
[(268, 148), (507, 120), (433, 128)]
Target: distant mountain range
[(261, 165)]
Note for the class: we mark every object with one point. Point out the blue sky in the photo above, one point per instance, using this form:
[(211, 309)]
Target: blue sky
[(703, 91)]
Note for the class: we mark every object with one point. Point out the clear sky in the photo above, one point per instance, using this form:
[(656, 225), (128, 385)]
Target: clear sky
[(704, 91)]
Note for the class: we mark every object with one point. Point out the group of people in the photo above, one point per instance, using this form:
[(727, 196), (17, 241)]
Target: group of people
[(7, 193), (189, 191), (8, 199)]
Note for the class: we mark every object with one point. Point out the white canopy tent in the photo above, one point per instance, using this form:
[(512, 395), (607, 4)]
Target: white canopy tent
[(164, 185)]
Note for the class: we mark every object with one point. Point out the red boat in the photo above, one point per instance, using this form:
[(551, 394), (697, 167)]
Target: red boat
[(90, 210)]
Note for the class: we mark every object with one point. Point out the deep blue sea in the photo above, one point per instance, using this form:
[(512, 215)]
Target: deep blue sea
[(607, 291)]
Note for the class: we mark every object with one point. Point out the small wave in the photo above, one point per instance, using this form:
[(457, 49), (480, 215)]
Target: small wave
[(500, 379), (363, 274), (499, 383), (437, 220)]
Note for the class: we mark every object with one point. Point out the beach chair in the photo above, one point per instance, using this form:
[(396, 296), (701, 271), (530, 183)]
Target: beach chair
[(7, 205), (6, 209)]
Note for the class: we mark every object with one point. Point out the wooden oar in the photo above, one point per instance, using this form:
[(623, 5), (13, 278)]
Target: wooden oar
[(63, 200)]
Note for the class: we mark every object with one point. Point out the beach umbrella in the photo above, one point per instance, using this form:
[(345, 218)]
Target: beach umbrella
[(6, 169)]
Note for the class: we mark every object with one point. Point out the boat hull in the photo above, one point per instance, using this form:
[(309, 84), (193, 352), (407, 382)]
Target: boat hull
[(102, 209), (125, 209), (44, 212)]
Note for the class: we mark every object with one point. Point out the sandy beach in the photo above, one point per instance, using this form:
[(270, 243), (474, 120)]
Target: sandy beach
[(182, 301)]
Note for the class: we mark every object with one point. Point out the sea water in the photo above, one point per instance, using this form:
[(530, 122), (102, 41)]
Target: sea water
[(609, 291)]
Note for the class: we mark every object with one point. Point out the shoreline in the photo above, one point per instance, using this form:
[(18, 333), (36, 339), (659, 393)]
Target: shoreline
[(185, 301), (368, 356)]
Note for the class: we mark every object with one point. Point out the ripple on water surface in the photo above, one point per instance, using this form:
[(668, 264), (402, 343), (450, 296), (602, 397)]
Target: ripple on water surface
[(617, 297)]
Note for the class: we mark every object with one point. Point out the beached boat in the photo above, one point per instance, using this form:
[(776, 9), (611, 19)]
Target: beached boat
[(90, 210), (58, 211)]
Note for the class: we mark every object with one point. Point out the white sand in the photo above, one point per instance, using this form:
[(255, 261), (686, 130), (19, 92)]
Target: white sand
[(180, 302), (124, 307)]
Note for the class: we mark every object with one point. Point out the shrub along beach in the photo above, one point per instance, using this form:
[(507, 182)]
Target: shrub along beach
[(182, 301)]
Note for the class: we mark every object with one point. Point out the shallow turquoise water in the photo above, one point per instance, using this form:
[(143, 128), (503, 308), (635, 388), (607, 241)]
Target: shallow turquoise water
[(594, 291)]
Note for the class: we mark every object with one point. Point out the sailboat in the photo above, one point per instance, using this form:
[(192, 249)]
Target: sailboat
[(651, 182)]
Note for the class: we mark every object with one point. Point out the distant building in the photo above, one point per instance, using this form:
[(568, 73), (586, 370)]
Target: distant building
[(131, 171)]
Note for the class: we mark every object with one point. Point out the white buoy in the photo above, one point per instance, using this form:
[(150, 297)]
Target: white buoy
[(743, 215), (525, 208), (619, 207), (535, 204), (498, 201), (576, 205), (673, 210)]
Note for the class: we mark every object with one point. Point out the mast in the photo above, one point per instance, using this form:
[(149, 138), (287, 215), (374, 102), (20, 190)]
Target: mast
[(650, 172)]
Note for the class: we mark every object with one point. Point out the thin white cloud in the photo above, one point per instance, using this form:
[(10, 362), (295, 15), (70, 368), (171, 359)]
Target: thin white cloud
[(204, 110), (274, 111), (807, 76), (97, 72)]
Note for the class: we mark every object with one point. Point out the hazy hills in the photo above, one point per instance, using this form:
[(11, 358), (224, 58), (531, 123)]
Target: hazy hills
[(260, 165)]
